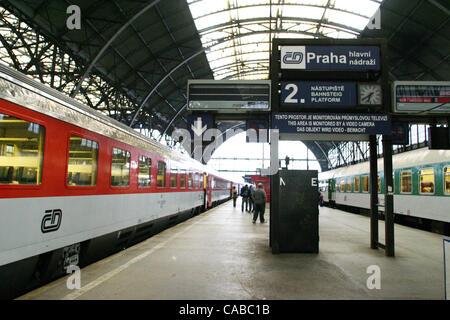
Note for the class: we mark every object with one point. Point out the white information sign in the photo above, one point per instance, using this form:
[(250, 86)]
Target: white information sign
[(447, 268)]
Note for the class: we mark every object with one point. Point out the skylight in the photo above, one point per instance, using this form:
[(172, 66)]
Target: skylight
[(238, 31)]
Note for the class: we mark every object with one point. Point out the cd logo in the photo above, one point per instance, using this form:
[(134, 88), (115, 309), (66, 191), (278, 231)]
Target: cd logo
[(293, 58), (51, 221)]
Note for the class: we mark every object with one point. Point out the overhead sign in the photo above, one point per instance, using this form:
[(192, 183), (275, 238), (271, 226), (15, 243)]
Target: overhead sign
[(332, 123), (308, 93), (400, 133), (330, 57), (228, 95), (421, 97)]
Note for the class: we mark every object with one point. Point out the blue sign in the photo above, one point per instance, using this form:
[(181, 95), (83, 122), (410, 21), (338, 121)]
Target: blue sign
[(332, 123), (400, 133), (307, 93), (330, 57)]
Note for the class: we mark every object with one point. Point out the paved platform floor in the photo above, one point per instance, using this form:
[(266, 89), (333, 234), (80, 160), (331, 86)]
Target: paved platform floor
[(220, 254)]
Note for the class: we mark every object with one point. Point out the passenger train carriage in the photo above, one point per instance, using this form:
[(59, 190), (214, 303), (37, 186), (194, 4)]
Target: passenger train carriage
[(421, 187), (76, 186)]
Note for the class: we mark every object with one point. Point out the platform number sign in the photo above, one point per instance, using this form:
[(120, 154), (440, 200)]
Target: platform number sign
[(292, 90), (318, 93)]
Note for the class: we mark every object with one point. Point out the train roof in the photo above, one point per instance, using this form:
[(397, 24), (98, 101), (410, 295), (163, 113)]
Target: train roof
[(408, 159), (18, 88)]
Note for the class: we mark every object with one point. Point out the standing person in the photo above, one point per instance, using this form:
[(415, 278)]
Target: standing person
[(259, 197), (251, 191), (320, 199), (244, 195), (235, 195)]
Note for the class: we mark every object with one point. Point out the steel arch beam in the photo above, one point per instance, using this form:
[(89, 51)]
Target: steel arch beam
[(323, 152), (281, 5), (161, 81), (259, 20), (110, 41), (172, 120), (225, 66)]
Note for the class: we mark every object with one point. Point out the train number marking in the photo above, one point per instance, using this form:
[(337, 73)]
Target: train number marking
[(51, 221)]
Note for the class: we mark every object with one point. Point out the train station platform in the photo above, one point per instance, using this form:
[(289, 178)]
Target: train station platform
[(221, 255)]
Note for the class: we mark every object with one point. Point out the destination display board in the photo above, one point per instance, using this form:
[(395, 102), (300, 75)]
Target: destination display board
[(330, 57), (421, 97), (228, 95), (332, 123), (318, 93)]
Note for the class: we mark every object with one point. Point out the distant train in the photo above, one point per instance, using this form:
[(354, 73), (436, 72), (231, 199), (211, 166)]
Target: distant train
[(76, 186), (421, 187)]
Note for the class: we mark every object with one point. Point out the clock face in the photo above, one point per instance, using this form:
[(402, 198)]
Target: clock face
[(370, 94)]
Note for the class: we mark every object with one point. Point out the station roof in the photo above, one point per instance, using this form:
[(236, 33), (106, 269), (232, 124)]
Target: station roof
[(147, 50)]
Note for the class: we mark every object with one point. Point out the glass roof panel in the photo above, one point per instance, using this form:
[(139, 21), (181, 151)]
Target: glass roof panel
[(238, 32)]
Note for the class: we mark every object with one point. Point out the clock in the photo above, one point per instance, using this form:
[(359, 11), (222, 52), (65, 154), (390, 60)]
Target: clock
[(370, 94)]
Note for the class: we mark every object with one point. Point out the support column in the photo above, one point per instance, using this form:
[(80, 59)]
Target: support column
[(388, 195), (373, 192)]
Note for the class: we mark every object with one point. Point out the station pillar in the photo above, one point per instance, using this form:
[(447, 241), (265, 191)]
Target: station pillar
[(388, 195), (373, 192)]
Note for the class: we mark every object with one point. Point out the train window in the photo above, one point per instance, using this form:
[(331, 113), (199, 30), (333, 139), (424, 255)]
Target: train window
[(356, 184), (21, 151), (161, 175), (365, 183), (182, 178), (120, 168), (405, 182), (447, 180), (342, 184), (426, 178), (173, 177), (196, 180), (144, 173), (83, 161), (190, 180), (348, 187)]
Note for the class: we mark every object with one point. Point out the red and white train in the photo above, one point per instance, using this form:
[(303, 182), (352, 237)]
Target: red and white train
[(76, 185)]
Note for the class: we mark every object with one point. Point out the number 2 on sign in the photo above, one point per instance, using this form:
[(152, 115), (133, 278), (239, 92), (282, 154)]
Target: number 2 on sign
[(290, 97)]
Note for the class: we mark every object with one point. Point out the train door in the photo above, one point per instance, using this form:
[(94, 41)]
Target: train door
[(205, 191), (210, 189), (331, 188)]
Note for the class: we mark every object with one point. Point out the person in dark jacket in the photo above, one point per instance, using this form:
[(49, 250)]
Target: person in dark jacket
[(259, 199), (320, 199), (244, 195), (250, 199), (235, 195)]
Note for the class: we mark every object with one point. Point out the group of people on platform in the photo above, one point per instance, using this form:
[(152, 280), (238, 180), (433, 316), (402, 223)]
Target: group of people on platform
[(254, 200)]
